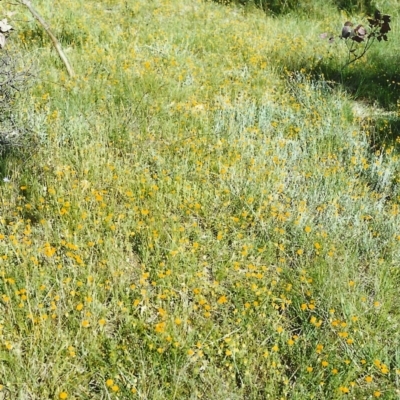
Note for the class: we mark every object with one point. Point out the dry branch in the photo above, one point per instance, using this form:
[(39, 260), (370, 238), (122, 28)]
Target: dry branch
[(46, 27)]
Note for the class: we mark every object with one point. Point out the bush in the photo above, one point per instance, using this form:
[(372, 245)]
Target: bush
[(274, 6), (12, 80), (13, 77), (363, 6), (281, 7)]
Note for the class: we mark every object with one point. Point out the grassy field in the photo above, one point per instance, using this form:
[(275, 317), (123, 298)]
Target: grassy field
[(203, 214)]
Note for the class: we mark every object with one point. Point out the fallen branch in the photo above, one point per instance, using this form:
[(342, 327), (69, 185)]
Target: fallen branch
[(46, 27)]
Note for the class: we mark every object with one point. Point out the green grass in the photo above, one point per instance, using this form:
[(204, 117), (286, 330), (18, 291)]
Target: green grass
[(203, 214)]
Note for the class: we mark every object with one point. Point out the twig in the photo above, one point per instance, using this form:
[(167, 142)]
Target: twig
[(366, 48), (46, 27)]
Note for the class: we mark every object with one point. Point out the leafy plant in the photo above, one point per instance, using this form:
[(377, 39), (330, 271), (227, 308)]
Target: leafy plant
[(359, 39)]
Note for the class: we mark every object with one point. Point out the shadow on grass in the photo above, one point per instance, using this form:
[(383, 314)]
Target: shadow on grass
[(386, 133), (376, 85), (3, 169)]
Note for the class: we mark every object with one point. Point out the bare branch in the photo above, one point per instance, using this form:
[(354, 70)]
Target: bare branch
[(46, 27)]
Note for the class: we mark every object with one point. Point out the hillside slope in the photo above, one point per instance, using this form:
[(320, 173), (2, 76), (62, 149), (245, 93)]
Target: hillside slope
[(201, 216)]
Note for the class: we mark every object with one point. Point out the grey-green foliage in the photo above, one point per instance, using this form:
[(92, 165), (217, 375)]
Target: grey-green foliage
[(13, 79)]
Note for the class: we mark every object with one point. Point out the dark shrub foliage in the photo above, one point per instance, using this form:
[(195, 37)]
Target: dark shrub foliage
[(283, 6)]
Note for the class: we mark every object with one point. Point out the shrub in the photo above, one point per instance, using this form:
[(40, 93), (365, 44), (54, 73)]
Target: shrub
[(280, 7), (13, 78), (363, 6), (274, 6)]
